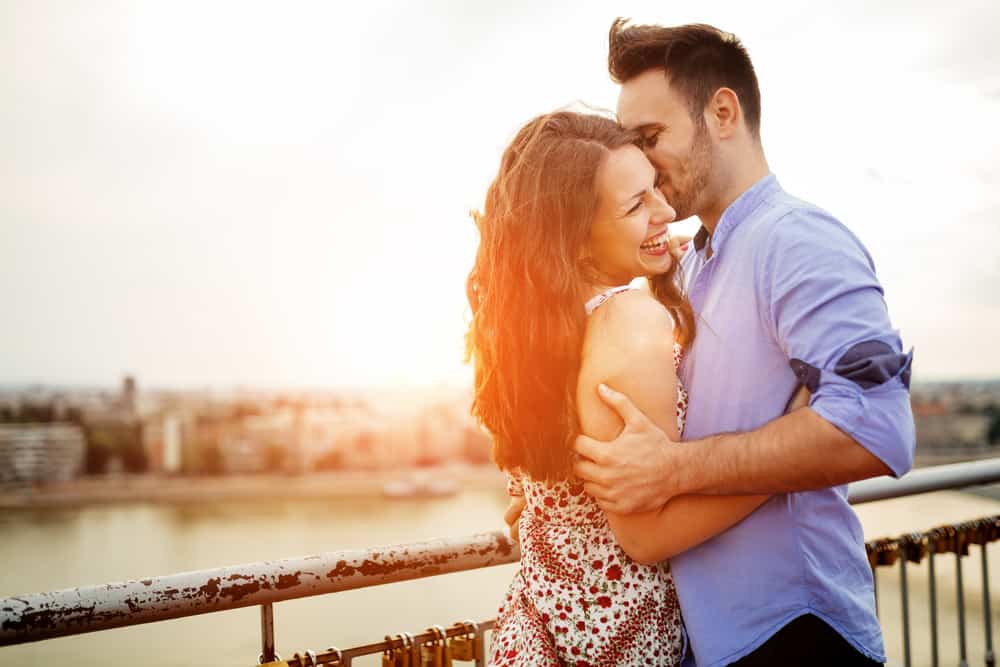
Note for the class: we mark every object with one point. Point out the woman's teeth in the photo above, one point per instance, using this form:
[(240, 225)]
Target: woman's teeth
[(656, 243)]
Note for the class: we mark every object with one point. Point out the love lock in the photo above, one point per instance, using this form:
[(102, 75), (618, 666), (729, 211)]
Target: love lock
[(432, 652), (465, 647)]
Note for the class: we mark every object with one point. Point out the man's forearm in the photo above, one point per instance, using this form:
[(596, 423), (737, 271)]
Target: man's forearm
[(797, 452)]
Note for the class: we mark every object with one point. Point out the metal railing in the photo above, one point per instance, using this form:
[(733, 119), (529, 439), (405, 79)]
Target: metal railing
[(914, 548), (40, 616)]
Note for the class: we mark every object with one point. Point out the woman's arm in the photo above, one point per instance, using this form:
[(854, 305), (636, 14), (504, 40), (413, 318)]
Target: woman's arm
[(632, 352)]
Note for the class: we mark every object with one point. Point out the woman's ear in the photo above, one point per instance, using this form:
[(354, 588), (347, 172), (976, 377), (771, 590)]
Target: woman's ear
[(588, 266)]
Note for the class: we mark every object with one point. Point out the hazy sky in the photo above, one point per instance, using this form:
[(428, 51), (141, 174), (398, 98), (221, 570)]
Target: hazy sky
[(207, 193)]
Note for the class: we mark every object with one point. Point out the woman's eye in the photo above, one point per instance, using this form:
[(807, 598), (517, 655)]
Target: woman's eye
[(650, 141), (657, 181), (635, 208)]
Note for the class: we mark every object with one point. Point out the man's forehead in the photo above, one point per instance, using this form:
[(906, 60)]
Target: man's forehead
[(645, 100)]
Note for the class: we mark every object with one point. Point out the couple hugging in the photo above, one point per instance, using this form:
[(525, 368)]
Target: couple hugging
[(679, 455)]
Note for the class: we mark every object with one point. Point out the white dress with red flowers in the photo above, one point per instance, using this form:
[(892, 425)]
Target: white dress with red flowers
[(578, 599)]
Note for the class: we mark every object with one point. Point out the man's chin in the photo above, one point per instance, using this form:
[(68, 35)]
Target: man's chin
[(682, 209)]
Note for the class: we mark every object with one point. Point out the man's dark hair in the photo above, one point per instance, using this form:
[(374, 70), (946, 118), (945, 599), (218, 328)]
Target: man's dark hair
[(699, 59)]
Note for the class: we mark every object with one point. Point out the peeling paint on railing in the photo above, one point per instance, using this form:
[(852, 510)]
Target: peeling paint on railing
[(38, 616)]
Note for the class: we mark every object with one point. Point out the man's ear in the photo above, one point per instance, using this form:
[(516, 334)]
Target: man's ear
[(724, 112)]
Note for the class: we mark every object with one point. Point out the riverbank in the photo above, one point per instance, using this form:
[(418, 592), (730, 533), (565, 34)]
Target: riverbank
[(184, 490), (452, 478)]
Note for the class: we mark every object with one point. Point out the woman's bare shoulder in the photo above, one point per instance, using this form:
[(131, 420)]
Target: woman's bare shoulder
[(631, 327), (633, 320), (630, 346)]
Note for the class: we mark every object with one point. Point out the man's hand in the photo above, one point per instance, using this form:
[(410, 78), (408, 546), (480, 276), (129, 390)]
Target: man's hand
[(679, 243), (512, 514), (635, 472)]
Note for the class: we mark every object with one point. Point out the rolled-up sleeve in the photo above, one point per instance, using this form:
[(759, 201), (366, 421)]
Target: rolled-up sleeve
[(828, 314)]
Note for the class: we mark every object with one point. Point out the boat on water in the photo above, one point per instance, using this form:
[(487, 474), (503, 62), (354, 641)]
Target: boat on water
[(420, 485)]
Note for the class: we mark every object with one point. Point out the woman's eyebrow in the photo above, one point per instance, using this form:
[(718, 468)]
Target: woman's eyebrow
[(628, 201)]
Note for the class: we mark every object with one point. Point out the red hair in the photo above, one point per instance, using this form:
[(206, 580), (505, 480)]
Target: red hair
[(528, 286)]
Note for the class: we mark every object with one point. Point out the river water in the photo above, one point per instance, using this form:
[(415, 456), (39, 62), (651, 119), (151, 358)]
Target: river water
[(53, 549)]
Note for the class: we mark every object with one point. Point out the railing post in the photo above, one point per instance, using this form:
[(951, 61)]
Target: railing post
[(480, 640), (962, 659), (904, 594), (931, 546), (267, 633), (875, 586), (987, 611)]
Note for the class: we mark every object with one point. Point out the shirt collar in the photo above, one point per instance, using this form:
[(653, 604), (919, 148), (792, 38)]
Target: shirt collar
[(737, 212), (701, 238)]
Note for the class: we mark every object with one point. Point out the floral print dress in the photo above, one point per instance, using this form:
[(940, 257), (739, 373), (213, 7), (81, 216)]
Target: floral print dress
[(578, 599)]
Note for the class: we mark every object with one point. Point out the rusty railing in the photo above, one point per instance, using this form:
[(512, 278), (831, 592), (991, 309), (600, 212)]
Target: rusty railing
[(41, 616)]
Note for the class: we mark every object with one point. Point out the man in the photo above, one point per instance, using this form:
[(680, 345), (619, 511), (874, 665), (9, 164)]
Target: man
[(785, 296)]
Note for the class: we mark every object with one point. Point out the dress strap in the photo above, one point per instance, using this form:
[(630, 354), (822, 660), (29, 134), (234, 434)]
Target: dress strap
[(594, 302)]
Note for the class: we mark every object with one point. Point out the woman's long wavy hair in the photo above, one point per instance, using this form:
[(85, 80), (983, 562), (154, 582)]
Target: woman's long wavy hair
[(529, 284)]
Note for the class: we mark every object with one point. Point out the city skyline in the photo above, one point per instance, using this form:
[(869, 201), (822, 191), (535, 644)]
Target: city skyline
[(230, 195)]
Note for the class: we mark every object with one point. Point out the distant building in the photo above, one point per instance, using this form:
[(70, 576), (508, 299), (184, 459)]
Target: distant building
[(257, 443), (946, 433), (38, 453), (200, 450), (129, 397), (926, 407), (113, 429), (350, 438), (162, 440)]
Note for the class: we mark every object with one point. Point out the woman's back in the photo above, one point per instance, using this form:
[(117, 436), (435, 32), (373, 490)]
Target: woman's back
[(578, 598)]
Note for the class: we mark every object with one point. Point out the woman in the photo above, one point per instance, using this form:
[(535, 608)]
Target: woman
[(573, 215)]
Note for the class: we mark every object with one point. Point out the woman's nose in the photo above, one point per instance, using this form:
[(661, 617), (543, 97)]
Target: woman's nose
[(663, 211)]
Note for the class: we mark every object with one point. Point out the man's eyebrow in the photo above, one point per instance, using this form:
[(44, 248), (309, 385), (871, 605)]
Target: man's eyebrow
[(645, 127)]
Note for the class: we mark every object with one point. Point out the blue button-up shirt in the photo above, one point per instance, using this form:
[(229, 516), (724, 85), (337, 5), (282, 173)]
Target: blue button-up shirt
[(788, 297)]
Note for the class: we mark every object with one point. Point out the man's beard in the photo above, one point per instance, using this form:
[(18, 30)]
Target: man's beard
[(685, 199)]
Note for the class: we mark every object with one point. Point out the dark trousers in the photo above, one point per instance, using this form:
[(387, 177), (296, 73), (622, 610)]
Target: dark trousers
[(806, 642)]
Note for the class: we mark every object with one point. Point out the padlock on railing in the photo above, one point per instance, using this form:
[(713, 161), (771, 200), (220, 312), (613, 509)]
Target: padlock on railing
[(888, 554), (994, 528), (277, 662), (409, 652), (432, 652), (934, 545), (396, 656), (882, 552), (986, 530), (338, 658), (913, 547), (401, 655), (309, 658), (963, 537), (465, 647)]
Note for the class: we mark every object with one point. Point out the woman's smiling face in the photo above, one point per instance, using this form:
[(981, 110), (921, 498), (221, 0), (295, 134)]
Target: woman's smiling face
[(629, 236)]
